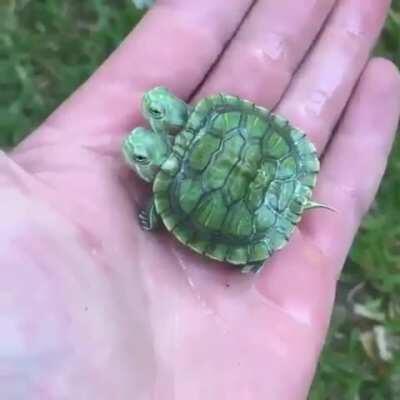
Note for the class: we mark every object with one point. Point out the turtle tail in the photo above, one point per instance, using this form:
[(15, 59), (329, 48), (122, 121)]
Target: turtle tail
[(312, 204)]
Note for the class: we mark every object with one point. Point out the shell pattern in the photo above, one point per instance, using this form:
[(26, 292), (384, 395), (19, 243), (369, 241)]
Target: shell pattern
[(237, 181)]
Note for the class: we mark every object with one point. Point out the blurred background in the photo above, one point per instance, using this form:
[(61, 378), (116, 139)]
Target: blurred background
[(49, 47)]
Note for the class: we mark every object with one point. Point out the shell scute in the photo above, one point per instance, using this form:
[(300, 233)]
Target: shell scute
[(214, 177), (286, 226), (278, 240), (232, 119), (303, 193), (259, 251), (199, 244), (275, 146), (202, 152), (311, 163), (185, 137), (170, 220), (190, 192), (255, 198), (302, 143), (219, 124), (162, 183), (287, 168), (238, 222), (294, 218), (236, 185), (251, 158), (211, 212), (224, 160), (296, 207), (183, 233), (272, 195), (280, 121), (171, 165), (308, 180), (196, 121), (286, 193), (265, 218), (257, 125), (162, 203), (237, 255), (297, 136), (218, 251)]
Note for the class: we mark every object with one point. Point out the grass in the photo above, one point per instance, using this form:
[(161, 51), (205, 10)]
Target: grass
[(366, 322), (48, 47)]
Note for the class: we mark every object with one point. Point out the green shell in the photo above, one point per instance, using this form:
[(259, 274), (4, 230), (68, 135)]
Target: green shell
[(237, 181)]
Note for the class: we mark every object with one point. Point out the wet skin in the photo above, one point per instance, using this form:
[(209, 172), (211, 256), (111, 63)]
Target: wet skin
[(92, 307)]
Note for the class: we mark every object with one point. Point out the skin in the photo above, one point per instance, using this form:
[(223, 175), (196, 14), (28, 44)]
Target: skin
[(92, 307), (165, 112), (145, 151)]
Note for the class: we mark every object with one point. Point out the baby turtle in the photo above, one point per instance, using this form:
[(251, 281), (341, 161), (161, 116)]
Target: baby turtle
[(230, 179)]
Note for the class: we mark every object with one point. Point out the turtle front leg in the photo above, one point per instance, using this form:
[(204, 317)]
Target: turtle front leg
[(149, 220), (254, 267)]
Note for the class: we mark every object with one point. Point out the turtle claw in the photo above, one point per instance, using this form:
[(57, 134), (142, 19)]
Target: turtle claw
[(256, 267), (149, 220), (144, 220)]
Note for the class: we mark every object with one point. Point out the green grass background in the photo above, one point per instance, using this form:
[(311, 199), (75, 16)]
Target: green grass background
[(48, 47)]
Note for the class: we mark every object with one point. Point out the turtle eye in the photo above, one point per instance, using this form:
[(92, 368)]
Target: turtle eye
[(155, 112), (141, 159)]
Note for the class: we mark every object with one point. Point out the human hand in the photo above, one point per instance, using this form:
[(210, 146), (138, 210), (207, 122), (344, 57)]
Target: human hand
[(93, 307)]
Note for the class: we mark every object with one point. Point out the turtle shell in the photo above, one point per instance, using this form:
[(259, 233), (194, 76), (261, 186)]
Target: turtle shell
[(236, 182)]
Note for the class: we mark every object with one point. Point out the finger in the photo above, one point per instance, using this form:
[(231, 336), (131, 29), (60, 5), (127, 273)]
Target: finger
[(322, 86), (175, 44), (267, 49), (356, 160), (301, 279)]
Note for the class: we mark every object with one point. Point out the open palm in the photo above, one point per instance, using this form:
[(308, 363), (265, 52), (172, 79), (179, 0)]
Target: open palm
[(93, 307)]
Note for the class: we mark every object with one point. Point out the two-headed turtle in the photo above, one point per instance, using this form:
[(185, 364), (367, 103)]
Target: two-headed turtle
[(230, 179)]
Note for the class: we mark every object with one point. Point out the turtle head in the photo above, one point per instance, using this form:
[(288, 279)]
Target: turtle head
[(166, 113), (145, 151)]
